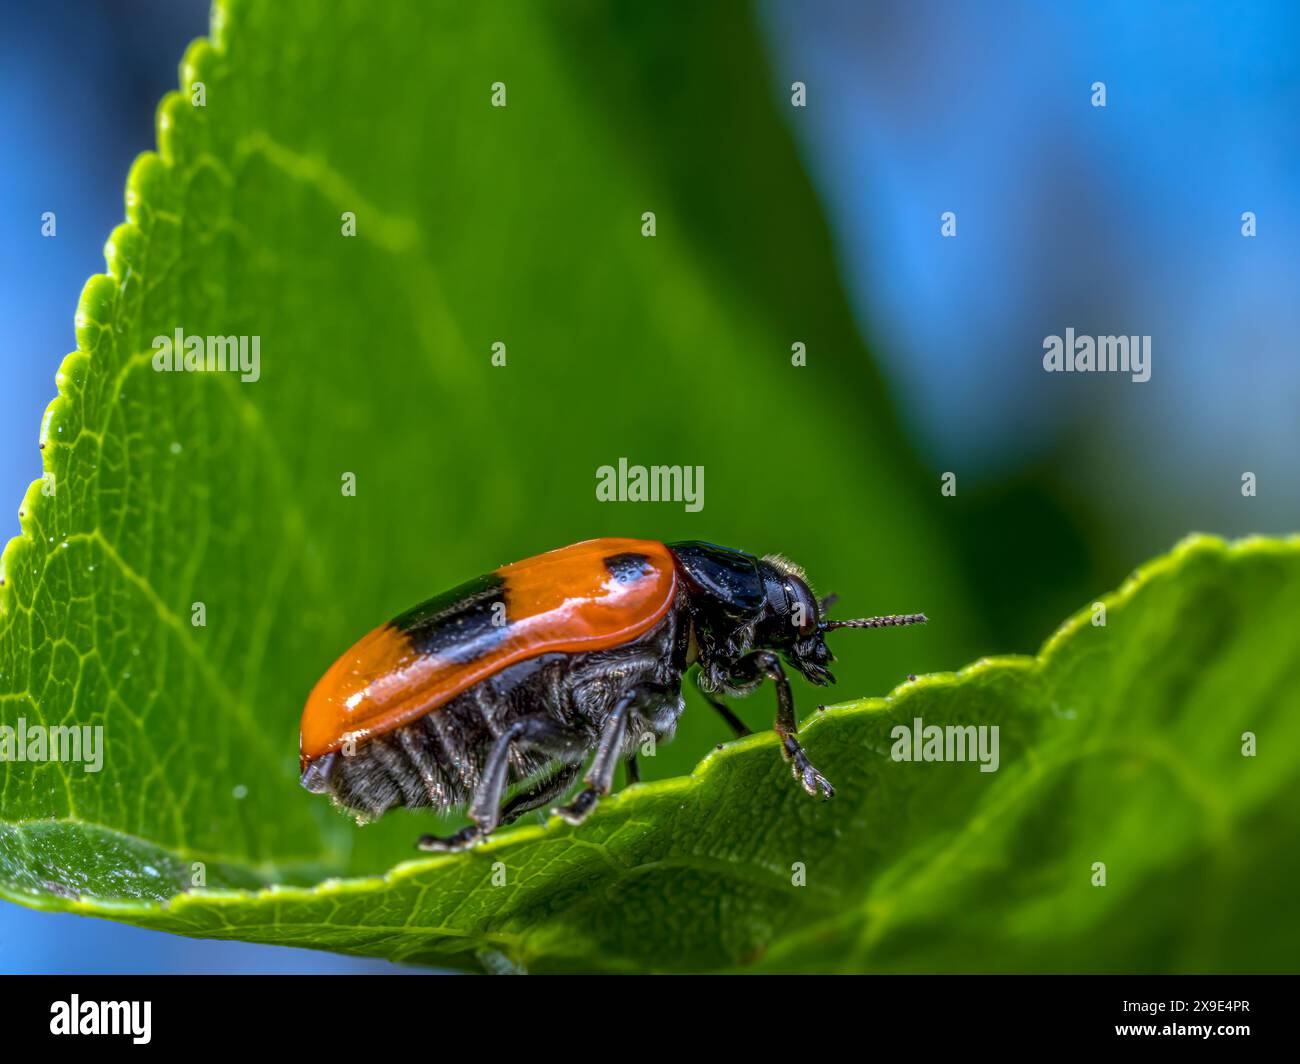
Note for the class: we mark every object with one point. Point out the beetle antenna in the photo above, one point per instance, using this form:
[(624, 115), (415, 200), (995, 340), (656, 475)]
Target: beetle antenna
[(893, 620)]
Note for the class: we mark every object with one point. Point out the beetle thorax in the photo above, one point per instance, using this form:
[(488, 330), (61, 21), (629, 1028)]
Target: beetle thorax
[(718, 654)]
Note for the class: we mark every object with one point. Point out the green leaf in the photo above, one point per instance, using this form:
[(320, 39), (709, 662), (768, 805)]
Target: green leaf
[(1119, 744), (474, 225)]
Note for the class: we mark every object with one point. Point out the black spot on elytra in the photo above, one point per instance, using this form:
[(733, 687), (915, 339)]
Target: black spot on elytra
[(628, 568), (458, 624)]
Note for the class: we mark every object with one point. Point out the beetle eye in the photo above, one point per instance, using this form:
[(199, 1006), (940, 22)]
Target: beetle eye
[(803, 607)]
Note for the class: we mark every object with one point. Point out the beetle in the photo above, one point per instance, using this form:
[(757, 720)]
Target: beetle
[(514, 677)]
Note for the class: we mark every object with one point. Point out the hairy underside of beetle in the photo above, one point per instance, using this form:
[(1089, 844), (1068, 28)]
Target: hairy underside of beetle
[(437, 760)]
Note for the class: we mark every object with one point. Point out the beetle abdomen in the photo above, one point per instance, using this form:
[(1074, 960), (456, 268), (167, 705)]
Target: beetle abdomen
[(436, 761)]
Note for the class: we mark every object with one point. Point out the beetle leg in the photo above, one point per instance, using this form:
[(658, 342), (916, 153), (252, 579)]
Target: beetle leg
[(633, 771), (737, 725), (541, 792), (460, 840), (485, 810), (766, 663), (600, 776)]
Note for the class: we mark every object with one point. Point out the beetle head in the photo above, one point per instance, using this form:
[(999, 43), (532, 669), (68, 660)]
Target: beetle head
[(794, 624)]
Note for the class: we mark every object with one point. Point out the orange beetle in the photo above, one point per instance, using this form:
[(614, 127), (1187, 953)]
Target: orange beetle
[(514, 677)]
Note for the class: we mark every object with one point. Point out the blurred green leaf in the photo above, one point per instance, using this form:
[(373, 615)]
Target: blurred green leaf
[(1120, 745), (474, 225)]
